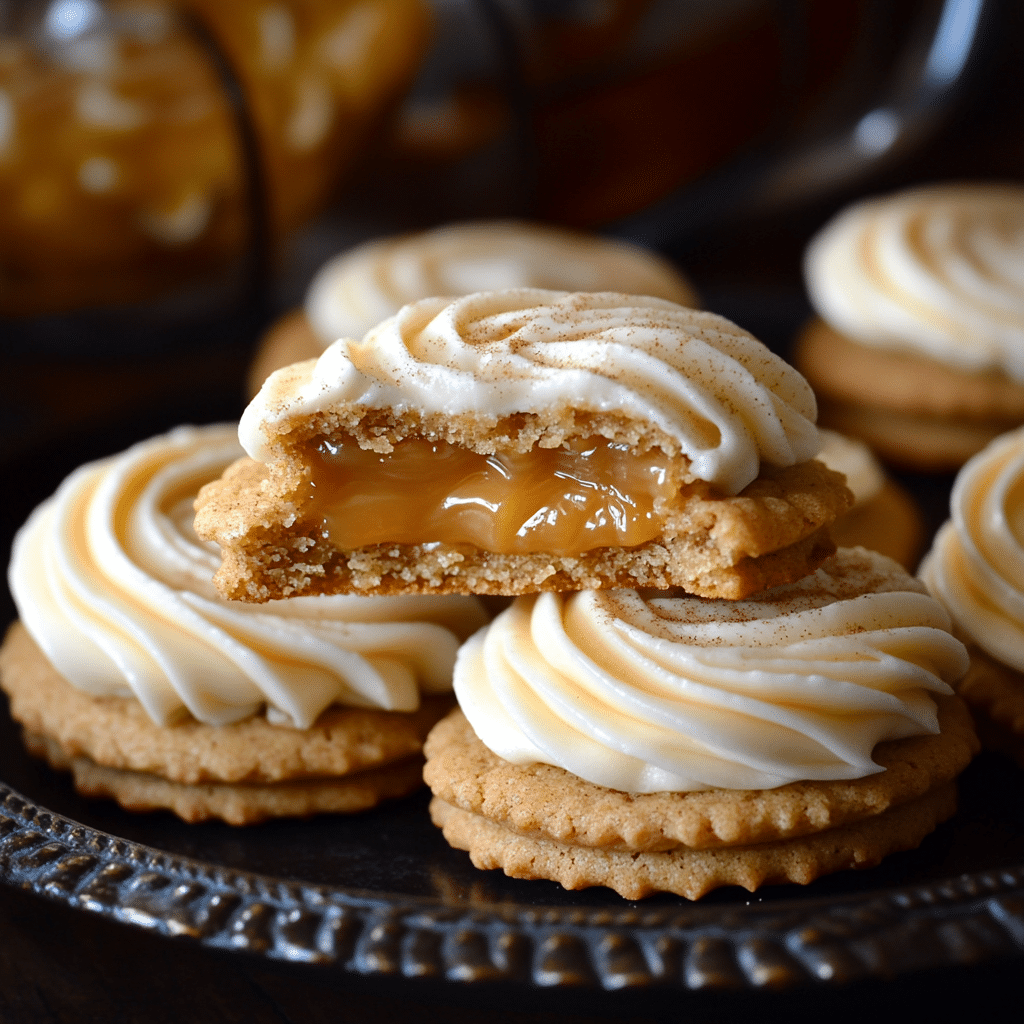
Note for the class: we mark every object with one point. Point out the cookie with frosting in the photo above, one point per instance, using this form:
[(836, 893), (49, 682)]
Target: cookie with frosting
[(660, 742), (918, 347), (522, 440), (976, 569), (357, 289), (884, 517), (128, 667)]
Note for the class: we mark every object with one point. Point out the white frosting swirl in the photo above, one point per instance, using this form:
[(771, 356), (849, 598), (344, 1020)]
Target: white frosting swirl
[(116, 589), (935, 270), (976, 564), (855, 460), (726, 400), (356, 290), (651, 693)]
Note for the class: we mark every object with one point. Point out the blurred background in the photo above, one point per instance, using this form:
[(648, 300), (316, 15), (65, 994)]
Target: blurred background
[(172, 174)]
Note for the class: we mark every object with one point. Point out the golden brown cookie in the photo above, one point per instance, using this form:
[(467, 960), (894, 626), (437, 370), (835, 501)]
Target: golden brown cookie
[(692, 873), (245, 771), (912, 410), (540, 821), (995, 694), (888, 522), (236, 803), (523, 439)]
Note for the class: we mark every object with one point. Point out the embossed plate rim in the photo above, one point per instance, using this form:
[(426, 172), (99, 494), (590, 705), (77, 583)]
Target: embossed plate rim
[(970, 918)]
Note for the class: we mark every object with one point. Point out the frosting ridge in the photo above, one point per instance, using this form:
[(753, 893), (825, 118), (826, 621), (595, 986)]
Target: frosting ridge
[(716, 392), (115, 587), (356, 290), (648, 693)]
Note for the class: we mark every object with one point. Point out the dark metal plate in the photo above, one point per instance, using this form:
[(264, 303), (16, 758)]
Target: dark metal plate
[(381, 894)]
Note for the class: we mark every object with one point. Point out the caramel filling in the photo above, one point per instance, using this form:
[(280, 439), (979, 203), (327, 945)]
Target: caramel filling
[(564, 500)]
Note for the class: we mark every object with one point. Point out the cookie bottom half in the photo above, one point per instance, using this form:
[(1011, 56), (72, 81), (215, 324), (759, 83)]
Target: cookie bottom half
[(774, 532), (913, 411), (238, 803), (540, 821), (995, 694), (692, 873), (349, 760)]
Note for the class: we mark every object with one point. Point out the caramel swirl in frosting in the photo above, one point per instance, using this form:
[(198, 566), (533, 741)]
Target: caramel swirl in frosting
[(976, 564), (647, 692), (115, 587), (359, 288), (937, 270), (710, 387)]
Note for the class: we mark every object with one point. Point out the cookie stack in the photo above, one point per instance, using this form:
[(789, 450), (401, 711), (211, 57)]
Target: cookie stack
[(128, 668), (917, 345), (690, 690)]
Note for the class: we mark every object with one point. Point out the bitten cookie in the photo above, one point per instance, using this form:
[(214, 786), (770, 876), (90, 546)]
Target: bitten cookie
[(553, 441), (129, 669), (976, 569), (662, 742), (918, 349), (356, 290)]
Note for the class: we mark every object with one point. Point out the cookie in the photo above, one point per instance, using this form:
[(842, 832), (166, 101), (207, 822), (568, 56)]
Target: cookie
[(793, 834), (806, 730), (543, 800), (235, 803), (995, 694), (884, 517), (918, 346), (130, 667), (116, 732), (693, 873), (976, 569), (554, 441), (356, 290), (911, 410)]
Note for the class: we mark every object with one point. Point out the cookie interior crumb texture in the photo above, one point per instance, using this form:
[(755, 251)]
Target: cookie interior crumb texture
[(772, 532)]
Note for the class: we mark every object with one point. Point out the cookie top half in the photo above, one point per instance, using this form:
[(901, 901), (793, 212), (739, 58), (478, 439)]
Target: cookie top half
[(514, 369)]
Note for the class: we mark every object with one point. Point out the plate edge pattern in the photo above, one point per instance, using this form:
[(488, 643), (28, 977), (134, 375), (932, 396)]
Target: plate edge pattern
[(965, 920)]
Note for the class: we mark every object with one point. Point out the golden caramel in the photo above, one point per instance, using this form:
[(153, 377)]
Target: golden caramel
[(563, 500)]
